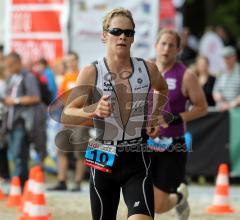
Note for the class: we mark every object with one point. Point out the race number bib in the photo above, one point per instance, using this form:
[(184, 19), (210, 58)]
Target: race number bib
[(159, 144), (100, 156)]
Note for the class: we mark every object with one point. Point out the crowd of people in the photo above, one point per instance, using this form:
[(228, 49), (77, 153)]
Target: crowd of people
[(26, 91), (179, 75)]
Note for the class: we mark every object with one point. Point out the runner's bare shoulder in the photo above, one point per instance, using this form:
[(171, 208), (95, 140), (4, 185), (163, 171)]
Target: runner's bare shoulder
[(87, 76)]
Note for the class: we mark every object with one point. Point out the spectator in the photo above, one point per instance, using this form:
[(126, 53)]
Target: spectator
[(205, 79), (225, 34), (1, 54), (68, 82), (48, 88), (4, 168), (53, 125), (39, 133), (210, 46), (43, 67), (192, 41), (22, 93), (226, 91), (72, 70), (59, 70), (2, 82), (188, 52), (227, 37)]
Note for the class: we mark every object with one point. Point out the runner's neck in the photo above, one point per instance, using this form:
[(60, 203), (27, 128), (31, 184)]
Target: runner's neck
[(118, 64), (164, 68)]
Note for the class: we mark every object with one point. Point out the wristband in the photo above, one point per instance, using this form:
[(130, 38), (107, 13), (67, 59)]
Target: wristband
[(176, 119)]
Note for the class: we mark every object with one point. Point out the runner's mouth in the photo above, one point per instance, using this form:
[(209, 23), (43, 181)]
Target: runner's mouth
[(165, 55), (122, 45)]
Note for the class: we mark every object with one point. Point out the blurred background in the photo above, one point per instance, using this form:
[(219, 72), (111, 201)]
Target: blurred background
[(71, 22)]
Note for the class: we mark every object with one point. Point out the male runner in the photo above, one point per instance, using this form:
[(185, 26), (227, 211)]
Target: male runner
[(168, 166), (113, 92)]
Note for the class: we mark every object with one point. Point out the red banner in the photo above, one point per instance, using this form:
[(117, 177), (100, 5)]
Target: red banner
[(37, 1), (167, 14), (34, 49), (37, 28), (35, 21)]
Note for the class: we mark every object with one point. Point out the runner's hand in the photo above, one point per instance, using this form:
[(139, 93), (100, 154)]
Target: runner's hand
[(104, 108), (153, 129), (162, 121)]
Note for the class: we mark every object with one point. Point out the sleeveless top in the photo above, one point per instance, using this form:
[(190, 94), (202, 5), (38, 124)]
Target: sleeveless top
[(112, 128), (176, 100)]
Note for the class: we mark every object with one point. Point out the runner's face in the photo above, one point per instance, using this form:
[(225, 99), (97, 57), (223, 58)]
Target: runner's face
[(166, 49), (120, 44)]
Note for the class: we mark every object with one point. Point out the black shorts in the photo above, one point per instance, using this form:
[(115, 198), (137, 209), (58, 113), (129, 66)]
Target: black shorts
[(168, 168), (131, 173)]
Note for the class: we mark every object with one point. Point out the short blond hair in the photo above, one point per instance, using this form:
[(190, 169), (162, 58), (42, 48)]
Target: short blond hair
[(117, 12), (172, 32)]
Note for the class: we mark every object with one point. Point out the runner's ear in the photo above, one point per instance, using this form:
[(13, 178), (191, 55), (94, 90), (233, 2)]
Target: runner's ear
[(104, 36)]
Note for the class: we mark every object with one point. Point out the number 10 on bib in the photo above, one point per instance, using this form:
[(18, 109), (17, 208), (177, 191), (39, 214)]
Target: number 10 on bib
[(100, 156)]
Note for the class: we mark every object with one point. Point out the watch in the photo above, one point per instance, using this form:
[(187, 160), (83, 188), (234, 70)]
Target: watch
[(17, 101)]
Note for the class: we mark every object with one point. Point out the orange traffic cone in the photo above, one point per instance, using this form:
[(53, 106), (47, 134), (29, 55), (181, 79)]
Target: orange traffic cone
[(36, 169), (27, 200), (38, 209), (1, 193), (221, 198), (24, 196), (14, 198)]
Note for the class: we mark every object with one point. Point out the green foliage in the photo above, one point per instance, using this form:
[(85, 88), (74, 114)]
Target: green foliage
[(190, 1), (227, 13)]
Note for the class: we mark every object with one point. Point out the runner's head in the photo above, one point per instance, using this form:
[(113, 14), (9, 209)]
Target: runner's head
[(167, 46), (118, 30)]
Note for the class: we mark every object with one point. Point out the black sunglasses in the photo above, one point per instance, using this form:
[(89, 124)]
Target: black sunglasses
[(119, 31)]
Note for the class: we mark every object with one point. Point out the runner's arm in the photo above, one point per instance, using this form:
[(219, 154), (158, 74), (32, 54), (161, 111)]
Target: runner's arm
[(192, 89), (159, 99), (160, 87), (78, 110)]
